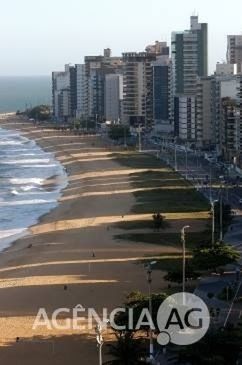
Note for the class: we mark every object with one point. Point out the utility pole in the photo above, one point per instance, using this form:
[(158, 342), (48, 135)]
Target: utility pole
[(183, 240), (175, 158), (213, 220), (221, 214), (140, 146), (186, 163), (149, 281)]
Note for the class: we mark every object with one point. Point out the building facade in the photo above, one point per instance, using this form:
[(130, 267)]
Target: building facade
[(234, 51), (162, 92), (204, 121), (113, 95), (96, 69), (185, 117), (189, 57)]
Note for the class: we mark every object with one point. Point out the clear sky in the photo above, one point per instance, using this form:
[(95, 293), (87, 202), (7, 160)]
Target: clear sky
[(38, 36)]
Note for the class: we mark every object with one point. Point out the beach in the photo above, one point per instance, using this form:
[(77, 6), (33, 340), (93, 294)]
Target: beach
[(71, 257)]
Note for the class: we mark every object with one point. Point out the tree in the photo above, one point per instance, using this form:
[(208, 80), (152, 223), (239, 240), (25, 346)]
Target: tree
[(218, 347), (127, 350), (159, 221), (40, 112), (221, 254), (138, 301), (175, 276), (119, 132)]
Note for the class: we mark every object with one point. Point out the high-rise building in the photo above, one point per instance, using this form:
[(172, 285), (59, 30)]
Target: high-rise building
[(185, 117), (113, 94), (138, 102), (162, 92), (204, 121), (234, 51), (189, 57), (80, 90), (96, 68), (61, 94), (232, 132), (138, 83), (224, 88)]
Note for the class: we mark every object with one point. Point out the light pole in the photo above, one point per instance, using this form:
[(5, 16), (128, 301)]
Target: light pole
[(175, 158), (186, 163), (100, 342), (183, 240), (139, 131), (213, 220), (96, 123), (149, 280), (221, 212), (125, 137)]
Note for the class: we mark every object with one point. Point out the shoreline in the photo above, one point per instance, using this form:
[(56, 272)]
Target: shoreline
[(50, 184), (72, 256), (61, 247)]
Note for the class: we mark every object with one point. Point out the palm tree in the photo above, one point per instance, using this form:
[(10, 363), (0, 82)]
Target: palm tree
[(127, 350)]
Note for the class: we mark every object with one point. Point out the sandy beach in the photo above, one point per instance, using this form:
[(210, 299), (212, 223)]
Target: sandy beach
[(73, 245)]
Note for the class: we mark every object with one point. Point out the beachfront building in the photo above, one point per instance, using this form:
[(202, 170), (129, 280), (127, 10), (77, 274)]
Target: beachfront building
[(138, 84), (189, 63), (80, 90), (189, 57), (96, 69), (61, 94), (113, 96), (204, 121), (162, 93), (234, 51), (185, 117)]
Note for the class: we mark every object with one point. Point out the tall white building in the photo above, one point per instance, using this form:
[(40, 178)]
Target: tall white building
[(113, 95)]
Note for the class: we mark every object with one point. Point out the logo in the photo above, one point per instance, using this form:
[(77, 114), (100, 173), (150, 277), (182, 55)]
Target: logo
[(183, 319)]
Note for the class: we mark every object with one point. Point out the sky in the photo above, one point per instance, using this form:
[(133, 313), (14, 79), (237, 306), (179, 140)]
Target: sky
[(39, 36)]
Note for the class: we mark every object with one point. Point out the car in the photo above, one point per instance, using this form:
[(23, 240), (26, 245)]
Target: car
[(240, 201)]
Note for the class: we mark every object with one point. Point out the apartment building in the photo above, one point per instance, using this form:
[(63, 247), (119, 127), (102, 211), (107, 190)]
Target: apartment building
[(234, 51), (113, 96)]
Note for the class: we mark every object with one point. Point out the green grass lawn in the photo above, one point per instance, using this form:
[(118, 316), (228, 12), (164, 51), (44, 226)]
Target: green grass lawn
[(180, 195), (165, 239), (170, 194)]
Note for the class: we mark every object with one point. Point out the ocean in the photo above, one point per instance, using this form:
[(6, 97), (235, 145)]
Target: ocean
[(17, 93), (25, 191)]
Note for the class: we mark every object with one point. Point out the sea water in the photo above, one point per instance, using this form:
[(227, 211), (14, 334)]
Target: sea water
[(25, 194)]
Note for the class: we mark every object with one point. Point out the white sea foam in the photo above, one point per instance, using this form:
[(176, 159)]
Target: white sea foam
[(24, 167)]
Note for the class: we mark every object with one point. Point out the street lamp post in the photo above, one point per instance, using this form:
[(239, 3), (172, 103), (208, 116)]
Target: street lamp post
[(213, 220), (96, 123), (186, 164), (125, 136), (183, 240), (149, 280), (100, 342), (175, 158), (221, 213), (140, 146)]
